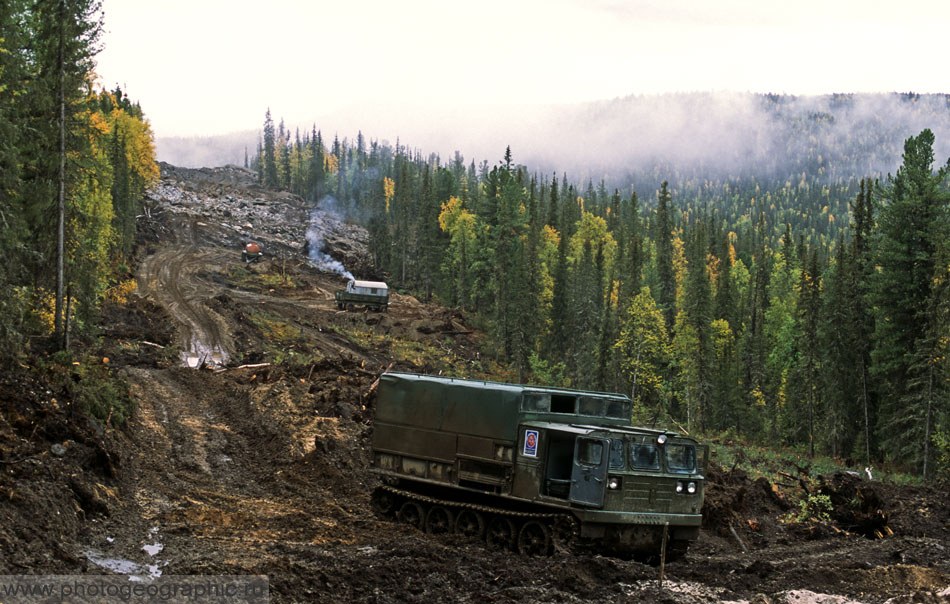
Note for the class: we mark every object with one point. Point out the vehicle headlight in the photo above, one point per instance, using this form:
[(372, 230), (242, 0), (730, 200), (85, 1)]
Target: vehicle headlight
[(613, 483), (679, 487), (691, 488)]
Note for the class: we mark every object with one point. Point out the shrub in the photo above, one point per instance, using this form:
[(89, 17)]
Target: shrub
[(814, 508)]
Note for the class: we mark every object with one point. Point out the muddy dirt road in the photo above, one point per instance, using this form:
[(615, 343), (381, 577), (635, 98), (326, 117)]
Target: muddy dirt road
[(248, 452), (169, 278)]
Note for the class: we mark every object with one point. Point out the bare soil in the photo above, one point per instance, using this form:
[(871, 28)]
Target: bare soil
[(248, 452)]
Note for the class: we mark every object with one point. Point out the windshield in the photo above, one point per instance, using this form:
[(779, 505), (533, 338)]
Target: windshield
[(680, 457), (644, 456)]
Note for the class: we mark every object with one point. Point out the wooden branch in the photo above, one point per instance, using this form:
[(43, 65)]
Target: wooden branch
[(680, 427), (376, 383), (666, 532), (253, 366), (732, 530)]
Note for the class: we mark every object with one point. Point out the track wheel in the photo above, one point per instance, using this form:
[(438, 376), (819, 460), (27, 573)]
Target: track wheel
[(564, 533), (383, 502), (500, 533), (534, 539), (411, 513), (440, 519), (676, 549), (470, 523)]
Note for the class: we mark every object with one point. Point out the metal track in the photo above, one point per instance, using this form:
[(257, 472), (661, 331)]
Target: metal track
[(473, 506)]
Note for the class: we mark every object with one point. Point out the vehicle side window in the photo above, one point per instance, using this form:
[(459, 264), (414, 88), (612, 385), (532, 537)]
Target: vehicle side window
[(590, 452), (536, 402), (644, 457), (616, 455), (617, 409), (588, 405), (563, 403)]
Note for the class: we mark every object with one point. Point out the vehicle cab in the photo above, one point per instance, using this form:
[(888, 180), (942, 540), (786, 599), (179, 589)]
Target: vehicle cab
[(617, 479)]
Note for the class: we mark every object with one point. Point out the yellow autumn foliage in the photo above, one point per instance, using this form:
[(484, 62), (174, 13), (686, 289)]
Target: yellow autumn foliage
[(389, 189), (331, 164), (120, 292)]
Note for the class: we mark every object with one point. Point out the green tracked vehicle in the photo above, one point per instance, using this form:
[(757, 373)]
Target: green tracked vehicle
[(371, 294), (533, 468)]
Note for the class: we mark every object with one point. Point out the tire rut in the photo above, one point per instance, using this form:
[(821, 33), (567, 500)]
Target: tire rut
[(170, 278)]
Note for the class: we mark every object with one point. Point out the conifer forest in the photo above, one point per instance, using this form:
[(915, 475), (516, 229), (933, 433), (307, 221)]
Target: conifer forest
[(75, 161), (798, 295)]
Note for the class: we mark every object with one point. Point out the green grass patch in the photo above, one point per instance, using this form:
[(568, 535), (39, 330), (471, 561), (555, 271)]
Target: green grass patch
[(275, 331), (433, 356), (284, 342), (759, 461), (253, 279)]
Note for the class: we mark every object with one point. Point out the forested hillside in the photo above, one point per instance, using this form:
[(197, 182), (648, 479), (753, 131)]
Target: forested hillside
[(788, 292), (775, 283), (74, 164)]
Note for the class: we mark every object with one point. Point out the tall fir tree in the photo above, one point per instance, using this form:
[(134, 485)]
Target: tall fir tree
[(270, 152), (664, 254), (912, 232)]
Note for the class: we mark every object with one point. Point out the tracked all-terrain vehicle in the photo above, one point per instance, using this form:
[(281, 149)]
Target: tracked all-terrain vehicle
[(371, 294), (532, 468)]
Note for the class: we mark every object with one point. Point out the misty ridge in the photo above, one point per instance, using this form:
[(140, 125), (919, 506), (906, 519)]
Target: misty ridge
[(748, 135), (206, 151), (640, 141)]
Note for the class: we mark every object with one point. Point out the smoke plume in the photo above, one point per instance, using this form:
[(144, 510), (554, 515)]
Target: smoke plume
[(316, 234)]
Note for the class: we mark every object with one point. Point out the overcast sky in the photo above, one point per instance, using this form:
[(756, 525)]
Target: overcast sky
[(202, 67)]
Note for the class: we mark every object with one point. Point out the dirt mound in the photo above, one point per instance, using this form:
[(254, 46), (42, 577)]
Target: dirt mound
[(858, 505), (60, 471), (732, 499)]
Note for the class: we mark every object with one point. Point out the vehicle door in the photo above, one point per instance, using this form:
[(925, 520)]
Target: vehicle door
[(588, 476)]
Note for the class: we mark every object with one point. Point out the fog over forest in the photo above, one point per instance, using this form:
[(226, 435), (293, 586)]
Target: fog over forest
[(638, 139)]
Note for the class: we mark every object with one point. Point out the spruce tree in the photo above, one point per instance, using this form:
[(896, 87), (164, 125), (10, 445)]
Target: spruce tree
[(861, 266), (808, 366), (632, 256), (270, 152), (912, 232), (697, 306), (841, 353), (66, 41), (664, 254)]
